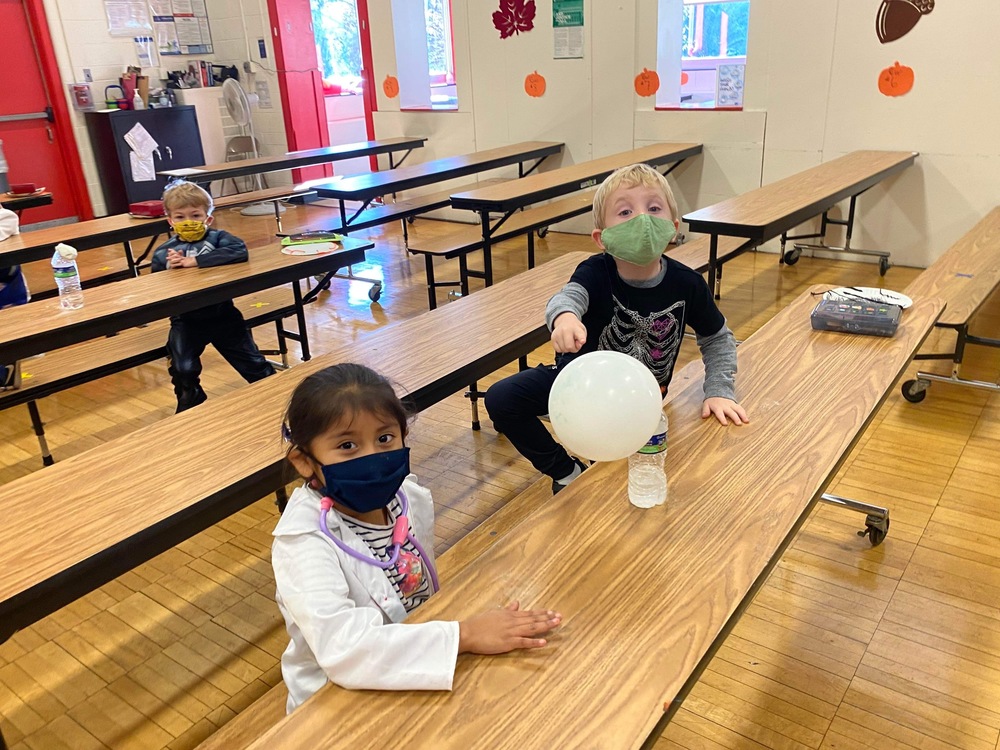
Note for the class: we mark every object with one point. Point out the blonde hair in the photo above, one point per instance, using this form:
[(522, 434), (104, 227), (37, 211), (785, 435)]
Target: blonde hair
[(629, 177), (181, 194)]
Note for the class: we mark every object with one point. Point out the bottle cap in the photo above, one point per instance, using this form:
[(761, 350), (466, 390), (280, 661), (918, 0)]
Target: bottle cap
[(66, 252)]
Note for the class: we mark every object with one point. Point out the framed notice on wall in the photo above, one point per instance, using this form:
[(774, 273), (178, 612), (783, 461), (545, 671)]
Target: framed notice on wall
[(567, 29), (181, 27), (729, 89)]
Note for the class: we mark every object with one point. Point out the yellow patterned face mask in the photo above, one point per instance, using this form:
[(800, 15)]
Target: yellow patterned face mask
[(190, 231)]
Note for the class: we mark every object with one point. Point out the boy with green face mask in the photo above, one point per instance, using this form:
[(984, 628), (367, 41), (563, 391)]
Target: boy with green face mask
[(196, 245), (630, 299)]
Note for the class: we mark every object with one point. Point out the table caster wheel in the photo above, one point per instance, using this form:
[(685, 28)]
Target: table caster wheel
[(876, 530), (915, 391), (791, 257), (883, 266), (375, 292), (542, 231)]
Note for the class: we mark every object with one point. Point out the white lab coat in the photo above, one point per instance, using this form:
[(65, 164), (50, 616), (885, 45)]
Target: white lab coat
[(8, 223), (343, 615)]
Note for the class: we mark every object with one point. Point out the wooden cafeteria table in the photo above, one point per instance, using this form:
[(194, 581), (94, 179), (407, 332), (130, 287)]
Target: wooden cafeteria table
[(646, 595), (298, 159), (18, 203), (46, 562), (508, 197), (774, 209), (42, 326), (366, 187)]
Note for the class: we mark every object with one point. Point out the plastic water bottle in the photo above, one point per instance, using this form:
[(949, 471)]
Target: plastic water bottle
[(67, 277), (647, 482)]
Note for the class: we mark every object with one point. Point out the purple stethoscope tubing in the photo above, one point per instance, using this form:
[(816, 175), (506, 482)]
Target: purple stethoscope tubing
[(397, 539)]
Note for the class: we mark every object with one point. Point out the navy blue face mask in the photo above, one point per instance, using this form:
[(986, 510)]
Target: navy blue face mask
[(367, 483)]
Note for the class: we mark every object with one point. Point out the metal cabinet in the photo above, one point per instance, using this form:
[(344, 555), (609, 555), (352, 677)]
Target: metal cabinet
[(175, 130)]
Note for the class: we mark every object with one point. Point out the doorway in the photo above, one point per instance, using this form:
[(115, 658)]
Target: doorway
[(35, 125), (322, 107)]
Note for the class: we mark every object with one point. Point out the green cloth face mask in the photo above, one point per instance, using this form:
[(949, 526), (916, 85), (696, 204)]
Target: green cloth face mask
[(190, 230), (640, 240)]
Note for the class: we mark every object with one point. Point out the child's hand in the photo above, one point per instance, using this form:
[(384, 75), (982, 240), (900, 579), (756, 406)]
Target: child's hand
[(725, 410), (569, 333), (498, 631), (177, 259)]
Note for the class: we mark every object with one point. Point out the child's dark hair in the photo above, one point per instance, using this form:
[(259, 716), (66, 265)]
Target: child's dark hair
[(334, 392)]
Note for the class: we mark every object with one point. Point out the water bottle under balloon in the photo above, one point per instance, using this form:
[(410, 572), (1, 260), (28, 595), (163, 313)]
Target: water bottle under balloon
[(647, 481)]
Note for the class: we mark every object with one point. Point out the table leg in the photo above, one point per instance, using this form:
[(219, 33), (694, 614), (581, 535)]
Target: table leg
[(473, 395), (129, 258), (343, 217), (39, 427), (463, 274), (713, 271), (431, 286), (484, 217), (300, 317)]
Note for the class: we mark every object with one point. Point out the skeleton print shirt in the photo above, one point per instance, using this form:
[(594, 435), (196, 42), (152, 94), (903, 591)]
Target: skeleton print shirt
[(646, 320)]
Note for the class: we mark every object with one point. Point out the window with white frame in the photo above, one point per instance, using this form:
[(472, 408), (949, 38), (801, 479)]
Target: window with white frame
[(425, 54), (701, 53)]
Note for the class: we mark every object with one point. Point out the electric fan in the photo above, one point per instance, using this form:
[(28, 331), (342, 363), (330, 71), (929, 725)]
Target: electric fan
[(238, 105)]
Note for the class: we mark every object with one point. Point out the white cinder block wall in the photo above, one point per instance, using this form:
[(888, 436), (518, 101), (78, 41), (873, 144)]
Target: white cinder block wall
[(811, 95)]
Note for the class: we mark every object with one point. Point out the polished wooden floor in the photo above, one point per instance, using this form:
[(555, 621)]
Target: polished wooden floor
[(846, 647)]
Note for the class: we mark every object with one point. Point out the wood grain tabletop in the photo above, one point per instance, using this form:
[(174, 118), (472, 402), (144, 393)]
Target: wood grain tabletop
[(966, 274), (643, 593), (104, 498), (535, 187), (768, 211), (43, 325)]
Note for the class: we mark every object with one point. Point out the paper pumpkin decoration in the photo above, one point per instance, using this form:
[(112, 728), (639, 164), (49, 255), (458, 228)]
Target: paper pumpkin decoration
[(390, 87), (896, 80), (647, 82), (514, 17), (896, 18), (534, 84), (684, 77)]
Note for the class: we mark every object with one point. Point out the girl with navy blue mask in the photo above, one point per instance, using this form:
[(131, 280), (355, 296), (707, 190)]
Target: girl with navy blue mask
[(353, 551)]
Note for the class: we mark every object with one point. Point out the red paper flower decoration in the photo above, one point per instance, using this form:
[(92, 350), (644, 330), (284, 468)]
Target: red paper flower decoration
[(514, 17)]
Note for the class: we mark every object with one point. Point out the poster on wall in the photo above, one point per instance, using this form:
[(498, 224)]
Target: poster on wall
[(127, 17), (729, 89), (181, 27), (567, 29)]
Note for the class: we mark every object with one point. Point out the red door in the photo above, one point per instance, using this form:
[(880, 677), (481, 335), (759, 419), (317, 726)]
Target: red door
[(34, 120), (301, 83), (302, 98)]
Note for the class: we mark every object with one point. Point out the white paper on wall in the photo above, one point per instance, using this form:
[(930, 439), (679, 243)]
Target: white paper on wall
[(127, 17)]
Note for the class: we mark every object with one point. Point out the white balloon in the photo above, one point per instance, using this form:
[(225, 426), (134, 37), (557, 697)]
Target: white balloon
[(605, 405)]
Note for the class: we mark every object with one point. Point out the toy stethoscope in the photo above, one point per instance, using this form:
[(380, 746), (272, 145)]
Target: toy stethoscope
[(400, 534)]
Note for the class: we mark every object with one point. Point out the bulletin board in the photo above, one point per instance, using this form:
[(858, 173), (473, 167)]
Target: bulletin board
[(180, 27)]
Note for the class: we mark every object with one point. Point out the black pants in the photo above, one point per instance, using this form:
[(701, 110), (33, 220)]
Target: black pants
[(515, 405), (227, 332)]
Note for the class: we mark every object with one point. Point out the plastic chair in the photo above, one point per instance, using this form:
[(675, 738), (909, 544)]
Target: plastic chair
[(239, 148)]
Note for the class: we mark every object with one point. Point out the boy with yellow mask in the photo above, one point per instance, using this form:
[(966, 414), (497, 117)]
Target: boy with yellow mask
[(196, 245), (631, 299)]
